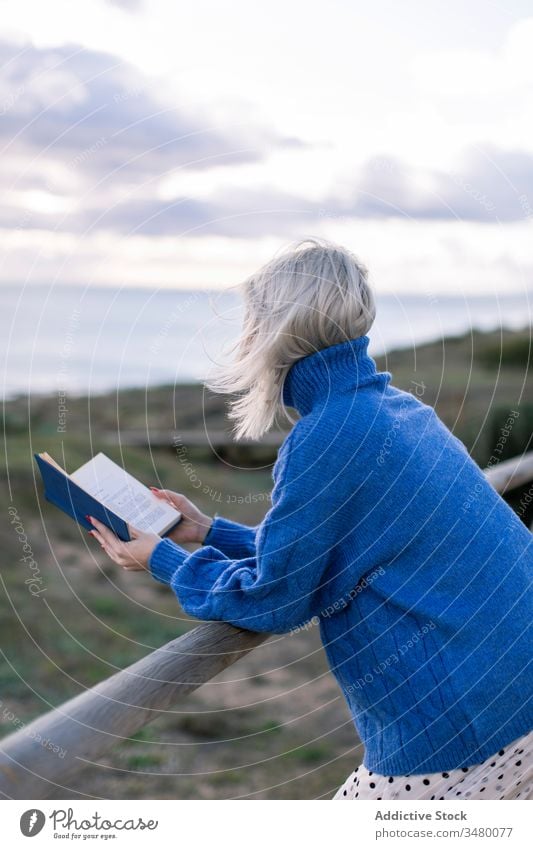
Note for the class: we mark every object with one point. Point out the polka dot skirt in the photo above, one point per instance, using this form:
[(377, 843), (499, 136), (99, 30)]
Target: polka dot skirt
[(508, 774)]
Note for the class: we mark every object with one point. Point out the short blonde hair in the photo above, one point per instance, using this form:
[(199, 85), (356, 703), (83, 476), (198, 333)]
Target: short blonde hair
[(312, 295)]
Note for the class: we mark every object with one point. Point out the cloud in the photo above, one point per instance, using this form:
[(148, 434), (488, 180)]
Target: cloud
[(93, 117), (76, 121), (129, 5), (234, 213), (487, 186)]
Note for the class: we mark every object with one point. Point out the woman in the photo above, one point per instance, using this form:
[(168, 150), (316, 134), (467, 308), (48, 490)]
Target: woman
[(382, 529)]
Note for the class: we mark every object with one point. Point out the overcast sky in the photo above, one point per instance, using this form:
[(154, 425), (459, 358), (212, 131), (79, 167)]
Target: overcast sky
[(181, 144)]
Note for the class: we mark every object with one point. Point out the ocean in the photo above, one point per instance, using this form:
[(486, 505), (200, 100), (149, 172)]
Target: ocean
[(84, 341)]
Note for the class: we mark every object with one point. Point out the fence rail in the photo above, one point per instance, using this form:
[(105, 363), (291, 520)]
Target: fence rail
[(511, 474), (89, 725), (189, 438)]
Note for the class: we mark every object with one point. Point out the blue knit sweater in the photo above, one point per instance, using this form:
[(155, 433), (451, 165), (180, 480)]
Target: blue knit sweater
[(386, 533)]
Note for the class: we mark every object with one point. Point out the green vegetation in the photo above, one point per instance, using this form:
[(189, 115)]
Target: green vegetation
[(515, 352), (140, 761), (309, 754)]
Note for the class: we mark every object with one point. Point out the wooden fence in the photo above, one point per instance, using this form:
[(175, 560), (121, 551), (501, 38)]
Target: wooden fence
[(89, 725)]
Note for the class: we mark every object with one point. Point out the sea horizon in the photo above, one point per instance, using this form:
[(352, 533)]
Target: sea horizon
[(86, 341)]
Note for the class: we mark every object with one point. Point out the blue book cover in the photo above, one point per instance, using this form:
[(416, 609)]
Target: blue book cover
[(105, 490), (60, 490)]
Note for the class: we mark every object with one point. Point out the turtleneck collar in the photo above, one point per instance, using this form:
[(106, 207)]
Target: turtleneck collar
[(339, 368)]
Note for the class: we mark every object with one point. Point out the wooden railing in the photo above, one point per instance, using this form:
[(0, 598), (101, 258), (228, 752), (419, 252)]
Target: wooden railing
[(511, 473), (212, 438), (89, 725)]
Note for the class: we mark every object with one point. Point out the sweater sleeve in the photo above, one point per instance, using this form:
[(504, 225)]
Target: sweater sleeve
[(275, 588), (234, 539)]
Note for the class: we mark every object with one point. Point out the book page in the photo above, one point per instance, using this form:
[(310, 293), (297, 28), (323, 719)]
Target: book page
[(125, 495)]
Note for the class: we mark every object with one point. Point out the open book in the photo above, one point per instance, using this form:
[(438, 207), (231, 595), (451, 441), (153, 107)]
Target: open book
[(103, 489)]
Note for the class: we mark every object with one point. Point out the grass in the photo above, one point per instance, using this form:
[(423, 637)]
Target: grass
[(139, 761), (309, 754)]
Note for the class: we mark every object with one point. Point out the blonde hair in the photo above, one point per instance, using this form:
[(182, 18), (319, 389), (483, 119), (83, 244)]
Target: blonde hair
[(312, 295)]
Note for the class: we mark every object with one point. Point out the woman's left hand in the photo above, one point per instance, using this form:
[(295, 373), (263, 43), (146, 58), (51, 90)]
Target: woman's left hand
[(134, 555)]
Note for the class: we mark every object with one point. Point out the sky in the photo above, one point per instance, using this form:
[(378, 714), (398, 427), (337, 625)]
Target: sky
[(157, 143)]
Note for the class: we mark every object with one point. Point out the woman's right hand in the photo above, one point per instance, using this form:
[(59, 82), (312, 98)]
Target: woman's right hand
[(194, 524)]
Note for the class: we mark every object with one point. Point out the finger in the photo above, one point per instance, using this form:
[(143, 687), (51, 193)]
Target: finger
[(108, 540), (173, 498), (97, 537), (135, 533), (105, 532), (109, 551)]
